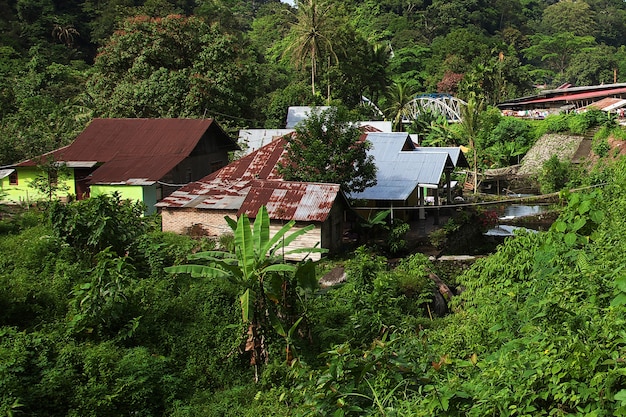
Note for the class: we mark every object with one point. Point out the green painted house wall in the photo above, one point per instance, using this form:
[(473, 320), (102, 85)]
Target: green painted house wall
[(145, 193), (23, 192)]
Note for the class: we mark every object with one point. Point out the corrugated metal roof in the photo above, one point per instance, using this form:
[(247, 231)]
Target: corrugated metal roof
[(290, 200), (397, 179), (5, 172), (254, 139), (138, 148), (607, 104), (401, 166), (568, 95), (456, 154), (260, 164), (386, 145), (578, 96), (252, 181), (208, 194), (296, 114)]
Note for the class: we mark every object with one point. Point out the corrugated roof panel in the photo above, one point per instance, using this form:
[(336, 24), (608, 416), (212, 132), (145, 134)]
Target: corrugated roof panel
[(316, 202), (124, 168), (386, 145), (456, 154), (6, 172), (260, 164), (138, 148), (397, 179), (287, 200), (577, 96), (215, 194), (296, 114)]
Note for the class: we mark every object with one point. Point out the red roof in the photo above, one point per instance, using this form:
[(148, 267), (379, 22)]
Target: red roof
[(574, 97), (144, 149), (287, 200), (260, 164), (252, 181)]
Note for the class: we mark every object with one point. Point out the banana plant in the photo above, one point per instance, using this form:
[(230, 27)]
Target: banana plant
[(259, 270)]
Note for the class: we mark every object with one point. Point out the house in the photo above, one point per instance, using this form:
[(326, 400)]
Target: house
[(243, 186), (565, 98), (408, 177), (142, 159)]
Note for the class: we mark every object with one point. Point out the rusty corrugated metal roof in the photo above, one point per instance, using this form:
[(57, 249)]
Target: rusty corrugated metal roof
[(208, 194), (568, 95), (290, 200), (144, 149), (260, 164), (252, 181)]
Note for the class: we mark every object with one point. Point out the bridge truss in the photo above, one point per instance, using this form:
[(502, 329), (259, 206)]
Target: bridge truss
[(443, 104)]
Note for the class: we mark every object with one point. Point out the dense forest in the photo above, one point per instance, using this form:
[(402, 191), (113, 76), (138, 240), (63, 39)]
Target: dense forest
[(103, 314), (63, 63)]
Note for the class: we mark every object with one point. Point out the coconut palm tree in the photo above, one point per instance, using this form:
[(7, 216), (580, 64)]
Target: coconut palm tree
[(65, 34), (470, 125), (399, 96), (311, 36)]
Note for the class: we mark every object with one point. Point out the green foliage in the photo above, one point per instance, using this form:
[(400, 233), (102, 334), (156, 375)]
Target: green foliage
[(98, 306), (601, 147), (507, 141), (554, 175), (576, 123), (556, 123), (100, 222), (396, 240), (327, 148), (174, 66), (536, 332), (265, 283), (356, 382), (581, 218)]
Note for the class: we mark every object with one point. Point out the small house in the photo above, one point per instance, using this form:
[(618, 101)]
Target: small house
[(245, 185), (141, 159), (408, 177)]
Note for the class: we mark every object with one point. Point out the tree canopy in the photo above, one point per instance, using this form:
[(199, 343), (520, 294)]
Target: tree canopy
[(328, 148), (174, 66), (245, 62)]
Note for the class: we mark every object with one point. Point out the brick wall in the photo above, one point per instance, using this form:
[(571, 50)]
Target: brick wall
[(211, 221)]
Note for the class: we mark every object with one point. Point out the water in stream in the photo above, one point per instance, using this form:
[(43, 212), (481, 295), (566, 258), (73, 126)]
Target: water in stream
[(511, 212)]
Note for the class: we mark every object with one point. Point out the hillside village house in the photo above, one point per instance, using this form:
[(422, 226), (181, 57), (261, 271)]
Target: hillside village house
[(408, 177), (243, 186), (141, 159)]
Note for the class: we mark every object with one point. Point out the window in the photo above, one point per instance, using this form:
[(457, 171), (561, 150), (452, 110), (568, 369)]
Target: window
[(13, 178)]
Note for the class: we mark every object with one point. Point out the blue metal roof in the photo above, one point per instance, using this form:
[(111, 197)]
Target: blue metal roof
[(401, 166), (456, 154), (398, 178)]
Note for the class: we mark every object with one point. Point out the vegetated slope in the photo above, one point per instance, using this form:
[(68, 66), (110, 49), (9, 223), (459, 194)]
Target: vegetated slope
[(561, 145), (540, 327)]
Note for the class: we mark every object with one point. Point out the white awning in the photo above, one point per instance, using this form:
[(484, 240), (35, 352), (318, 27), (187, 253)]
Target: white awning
[(6, 172)]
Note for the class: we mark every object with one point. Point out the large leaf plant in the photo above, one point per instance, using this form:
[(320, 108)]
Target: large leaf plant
[(265, 280)]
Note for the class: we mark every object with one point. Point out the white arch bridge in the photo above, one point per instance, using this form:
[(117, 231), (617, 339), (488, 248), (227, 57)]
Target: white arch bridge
[(444, 104)]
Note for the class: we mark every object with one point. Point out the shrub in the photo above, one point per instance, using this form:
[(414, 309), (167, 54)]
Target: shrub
[(96, 223), (554, 175), (557, 123)]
